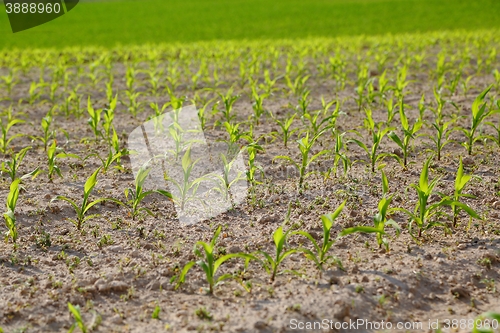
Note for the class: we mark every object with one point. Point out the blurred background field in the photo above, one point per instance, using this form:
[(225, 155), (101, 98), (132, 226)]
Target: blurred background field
[(111, 23)]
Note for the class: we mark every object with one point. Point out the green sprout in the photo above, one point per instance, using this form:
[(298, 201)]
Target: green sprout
[(11, 167), (209, 263), (271, 264), (479, 113), (48, 134), (409, 133), (9, 215), (82, 209), (319, 257), (461, 180), (377, 135), (5, 140), (136, 195), (305, 147), (75, 311), (380, 220), (286, 131), (94, 120), (424, 211)]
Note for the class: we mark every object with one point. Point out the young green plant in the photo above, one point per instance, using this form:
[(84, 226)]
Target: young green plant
[(135, 195), (409, 133), (86, 204), (377, 135), (53, 156), (77, 315), (271, 264), (479, 114), (5, 140), (286, 130), (319, 257), (440, 138), (209, 263), (380, 220), (305, 146), (11, 167), (461, 180), (425, 211), (9, 215)]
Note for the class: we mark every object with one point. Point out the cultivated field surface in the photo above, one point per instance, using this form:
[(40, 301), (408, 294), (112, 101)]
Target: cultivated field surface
[(373, 172)]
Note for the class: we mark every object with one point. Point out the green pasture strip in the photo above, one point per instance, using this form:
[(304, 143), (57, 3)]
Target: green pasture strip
[(112, 23)]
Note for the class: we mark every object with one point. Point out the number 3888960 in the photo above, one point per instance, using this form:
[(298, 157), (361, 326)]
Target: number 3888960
[(32, 8)]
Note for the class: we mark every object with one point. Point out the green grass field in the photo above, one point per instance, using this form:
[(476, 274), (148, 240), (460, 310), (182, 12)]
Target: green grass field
[(152, 21)]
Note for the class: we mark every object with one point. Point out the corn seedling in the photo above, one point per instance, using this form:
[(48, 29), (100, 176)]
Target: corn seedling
[(130, 77), (258, 104), (133, 105), (253, 168), (454, 82), (187, 189), (9, 81), (158, 116), (228, 101), (409, 133), (319, 257), (268, 85), (109, 116), (440, 138), (271, 264), (135, 195), (11, 167), (461, 180), (383, 85), (338, 156), (304, 101), (109, 90), (233, 130), (286, 130), (94, 120), (154, 76), (305, 145), (5, 140), (53, 90), (424, 211), (53, 156), (466, 86), (361, 85), (332, 116), (209, 263), (479, 113), (77, 315), (175, 101), (380, 220), (156, 312), (35, 91), (401, 82), (298, 86), (72, 103), (223, 183), (115, 145), (82, 209), (316, 125), (377, 135), (391, 110), (110, 159), (9, 215), (48, 134)]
